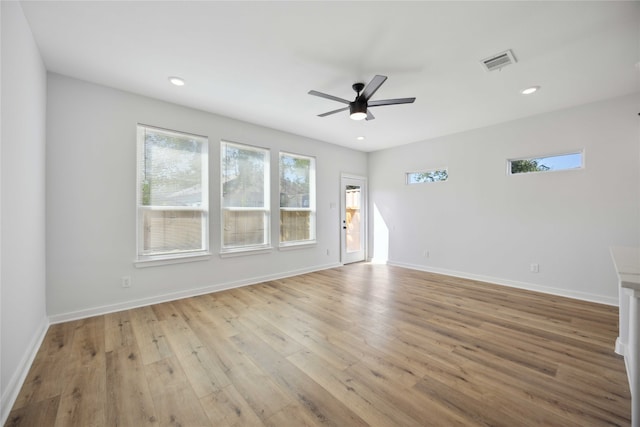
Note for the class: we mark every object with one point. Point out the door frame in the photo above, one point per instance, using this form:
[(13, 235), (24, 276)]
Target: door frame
[(364, 210)]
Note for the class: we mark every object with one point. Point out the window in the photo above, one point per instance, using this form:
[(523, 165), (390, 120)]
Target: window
[(297, 199), (544, 164), (172, 194), (244, 173), (434, 175)]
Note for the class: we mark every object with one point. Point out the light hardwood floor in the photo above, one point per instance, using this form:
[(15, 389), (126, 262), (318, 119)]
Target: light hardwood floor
[(353, 346)]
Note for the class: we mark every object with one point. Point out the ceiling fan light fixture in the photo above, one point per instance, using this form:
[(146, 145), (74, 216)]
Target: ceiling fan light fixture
[(358, 115), (358, 110)]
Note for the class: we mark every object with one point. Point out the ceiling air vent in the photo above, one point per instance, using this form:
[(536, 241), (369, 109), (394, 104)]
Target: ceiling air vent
[(498, 61)]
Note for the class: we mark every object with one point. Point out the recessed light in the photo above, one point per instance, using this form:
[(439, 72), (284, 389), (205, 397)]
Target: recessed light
[(360, 138), (530, 90), (177, 81)]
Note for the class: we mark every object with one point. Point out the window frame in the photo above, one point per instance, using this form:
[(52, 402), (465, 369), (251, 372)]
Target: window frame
[(170, 257), (283, 245), (582, 166), (257, 248)]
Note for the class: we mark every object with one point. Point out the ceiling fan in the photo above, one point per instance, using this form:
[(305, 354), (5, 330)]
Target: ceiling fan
[(359, 107)]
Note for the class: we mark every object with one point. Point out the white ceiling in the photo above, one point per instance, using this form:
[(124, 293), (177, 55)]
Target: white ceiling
[(256, 61)]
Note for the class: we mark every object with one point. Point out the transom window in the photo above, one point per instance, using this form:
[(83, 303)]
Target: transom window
[(556, 162), (432, 175)]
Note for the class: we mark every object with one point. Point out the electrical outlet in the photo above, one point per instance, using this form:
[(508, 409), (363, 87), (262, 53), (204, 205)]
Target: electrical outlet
[(535, 268), (328, 252), (425, 254), (126, 281)]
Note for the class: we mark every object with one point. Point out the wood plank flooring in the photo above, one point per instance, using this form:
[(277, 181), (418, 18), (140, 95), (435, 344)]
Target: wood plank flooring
[(360, 345)]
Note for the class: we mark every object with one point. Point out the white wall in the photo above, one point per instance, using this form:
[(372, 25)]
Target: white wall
[(91, 217), (484, 224), (22, 201)]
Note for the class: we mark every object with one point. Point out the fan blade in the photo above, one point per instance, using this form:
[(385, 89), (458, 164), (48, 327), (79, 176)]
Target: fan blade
[(333, 112), (390, 102), (373, 86), (327, 96), (369, 115)]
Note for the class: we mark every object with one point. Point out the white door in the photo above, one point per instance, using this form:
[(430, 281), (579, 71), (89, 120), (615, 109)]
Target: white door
[(353, 219)]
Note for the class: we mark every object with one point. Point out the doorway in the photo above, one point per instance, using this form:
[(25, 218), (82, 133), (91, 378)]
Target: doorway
[(353, 220)]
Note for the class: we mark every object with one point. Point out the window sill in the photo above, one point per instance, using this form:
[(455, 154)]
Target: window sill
[(201, 256), (301, 245), (244, 252)]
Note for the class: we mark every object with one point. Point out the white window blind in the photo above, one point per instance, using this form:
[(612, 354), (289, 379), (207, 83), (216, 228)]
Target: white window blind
[(244, 176), (297, 199), (172, 194)]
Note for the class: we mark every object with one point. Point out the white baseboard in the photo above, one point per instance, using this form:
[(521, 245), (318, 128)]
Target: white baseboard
[(620, 347), (172, 296), (623, 350), (10, 394), (601, 299)]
